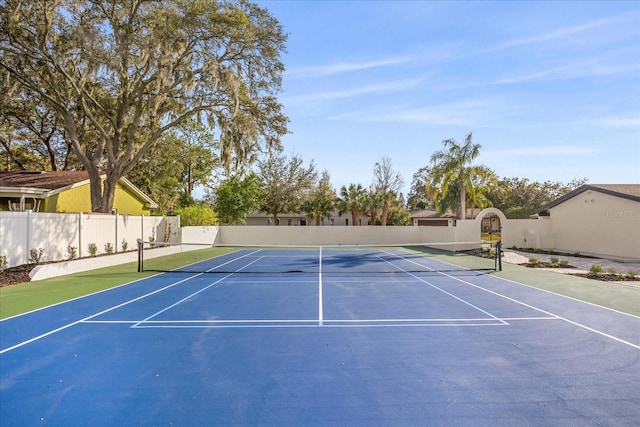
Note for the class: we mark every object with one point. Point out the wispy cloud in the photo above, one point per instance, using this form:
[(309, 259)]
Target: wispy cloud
[(620, 122), (463, 113), (313, 71), (548, 151), (386, 87), (609, 64), (551, 35)]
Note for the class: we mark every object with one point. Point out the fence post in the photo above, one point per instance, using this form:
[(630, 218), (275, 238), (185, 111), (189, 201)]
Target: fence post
[(140, 266), (115, 244), (28, 236), (79, 234)]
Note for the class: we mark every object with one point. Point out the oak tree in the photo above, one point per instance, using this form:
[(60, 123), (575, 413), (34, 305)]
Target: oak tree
[(121, 73)]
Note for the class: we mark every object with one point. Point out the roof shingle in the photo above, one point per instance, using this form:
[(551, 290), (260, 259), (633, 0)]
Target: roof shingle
[(42, 180)]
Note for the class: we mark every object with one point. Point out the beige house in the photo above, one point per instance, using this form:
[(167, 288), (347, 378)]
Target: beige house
[(598, 219), (431, 218), (337, 218)]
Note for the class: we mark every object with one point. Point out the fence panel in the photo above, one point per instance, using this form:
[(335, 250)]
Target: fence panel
[(13, 229), (51, 234), (56, 233), (97, 230)]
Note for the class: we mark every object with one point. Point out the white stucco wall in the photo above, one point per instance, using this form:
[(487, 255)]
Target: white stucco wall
[(597, 223), (270, 235), (592, 223)]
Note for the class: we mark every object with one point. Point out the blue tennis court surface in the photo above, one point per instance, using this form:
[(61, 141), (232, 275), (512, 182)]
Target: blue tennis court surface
[(340, 338)]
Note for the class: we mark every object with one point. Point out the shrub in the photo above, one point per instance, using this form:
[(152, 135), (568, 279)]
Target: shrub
[(3, 262), (632, 273), (124, 245), (108, 248), (595, 269), (576, 253), (534, 261), (197, 215), (72, 252), (612, 270), (93, 249), (35, 256), (554, 260), (564, 263)]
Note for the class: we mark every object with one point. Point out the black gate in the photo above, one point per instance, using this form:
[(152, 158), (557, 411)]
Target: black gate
[(490, 230)]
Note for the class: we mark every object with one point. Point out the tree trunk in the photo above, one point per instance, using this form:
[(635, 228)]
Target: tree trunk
[(355, 214), (462, 209), (108, 193), (95, 185), (374, 215), (385, 213)]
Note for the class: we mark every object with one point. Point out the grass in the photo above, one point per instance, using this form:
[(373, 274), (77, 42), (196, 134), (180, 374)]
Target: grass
[(30, 296)]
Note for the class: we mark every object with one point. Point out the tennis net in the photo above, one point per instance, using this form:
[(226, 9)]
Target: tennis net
[(326, 259)]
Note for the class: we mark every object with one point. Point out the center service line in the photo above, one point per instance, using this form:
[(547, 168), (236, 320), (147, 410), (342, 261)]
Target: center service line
[(320, 313)]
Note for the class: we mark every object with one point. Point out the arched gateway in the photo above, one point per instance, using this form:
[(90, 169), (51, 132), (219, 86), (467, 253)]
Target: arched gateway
[(490, 222)]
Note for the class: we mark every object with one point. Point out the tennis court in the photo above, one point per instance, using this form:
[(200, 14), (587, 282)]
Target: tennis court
[(321, 336)]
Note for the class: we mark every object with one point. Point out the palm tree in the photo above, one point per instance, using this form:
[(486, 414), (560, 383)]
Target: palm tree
[(452, 167), (354, 200), (478, 198), (478, 187), (374, 204)]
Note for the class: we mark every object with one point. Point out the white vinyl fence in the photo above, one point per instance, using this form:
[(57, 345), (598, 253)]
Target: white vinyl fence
[(58, 234)]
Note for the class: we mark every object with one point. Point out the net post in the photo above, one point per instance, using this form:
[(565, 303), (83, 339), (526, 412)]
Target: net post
[(140, 266), (499, 255)]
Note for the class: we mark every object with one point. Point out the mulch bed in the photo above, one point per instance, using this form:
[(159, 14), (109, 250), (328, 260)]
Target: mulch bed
[(545, 265), (608, 277), (16, 275), (20, 274), (605, 277)]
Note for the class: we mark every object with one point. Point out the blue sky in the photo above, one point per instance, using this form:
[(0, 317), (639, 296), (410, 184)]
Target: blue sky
[(551, 90)]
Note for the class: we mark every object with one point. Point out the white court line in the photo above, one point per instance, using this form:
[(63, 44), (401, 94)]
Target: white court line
[(550, 314), (434, 286), (294, 322), (195, 293), (236, 259), (604, 334), (320, 304), (23, 343), (95, 315), (316, 325)]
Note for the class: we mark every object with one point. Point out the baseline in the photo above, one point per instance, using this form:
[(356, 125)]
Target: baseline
[(298, 323)]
